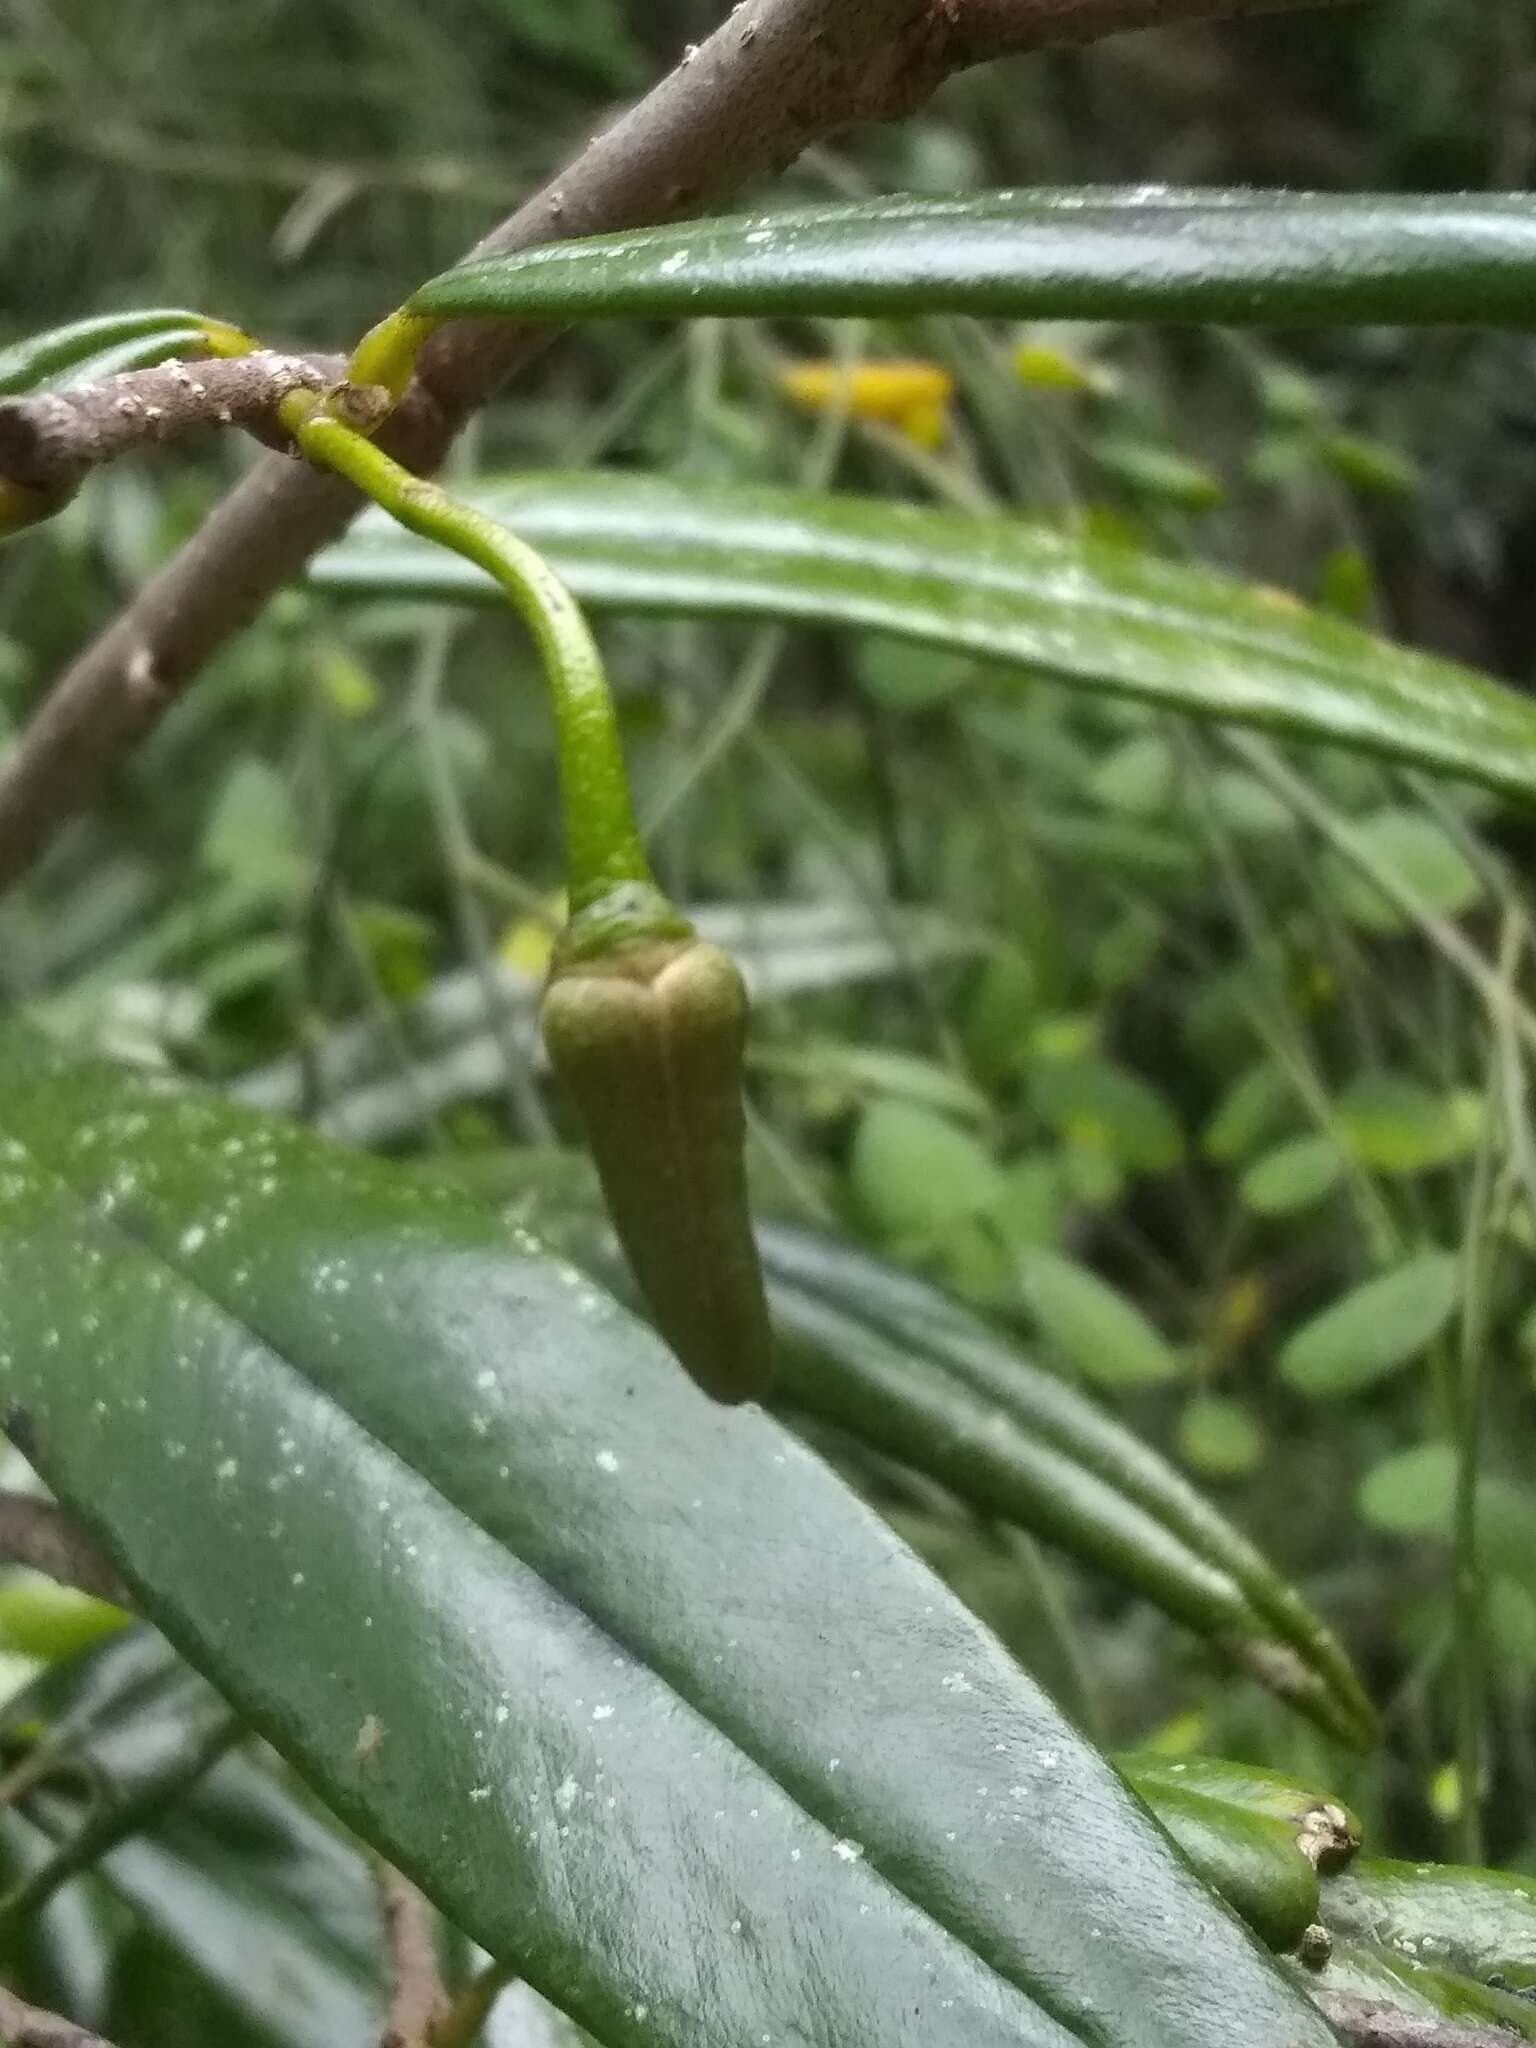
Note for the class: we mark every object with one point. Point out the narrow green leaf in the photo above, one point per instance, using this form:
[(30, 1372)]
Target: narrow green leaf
[(1250, 807), (915, 1174), (858, 1072), (904, 1368), (1100, 1104), (1151, 253), (1256, 1106), (1034, 1203), (50, 1622), (95, 348), (1479, 1922), (1146, 1514), (1221, 1437), (1375, 1330), (1105, 617), (253, 836), (1326, 1828), (1415, 851), (461, 1541), (1127, 950), (1413, 1493), (1293, 1176), (1096, 1330), (1003, 1004), (1150, 471), (1138, 778), (1393, 1123), (1252, 1859), (1369, 466)]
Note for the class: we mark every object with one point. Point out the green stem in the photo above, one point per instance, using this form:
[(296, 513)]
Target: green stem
[(1469, 1590), (387, 354), (603, 847)]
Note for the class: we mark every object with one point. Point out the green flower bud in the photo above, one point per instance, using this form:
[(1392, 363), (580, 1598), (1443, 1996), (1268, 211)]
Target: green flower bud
[(647, 1034)]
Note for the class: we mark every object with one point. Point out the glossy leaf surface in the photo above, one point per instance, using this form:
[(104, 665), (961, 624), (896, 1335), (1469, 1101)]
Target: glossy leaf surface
[(1252, 1859), (1480, 1922), (1149, 253), (895, 1364), (900, 1366), (1105, 617), (452, 1531), (97, 347)]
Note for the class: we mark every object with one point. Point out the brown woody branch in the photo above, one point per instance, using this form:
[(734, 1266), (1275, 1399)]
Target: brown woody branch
[(416, 1996), (1365, 2025), (49, 442), (776, 76), (28, 2026), (43, 1537)]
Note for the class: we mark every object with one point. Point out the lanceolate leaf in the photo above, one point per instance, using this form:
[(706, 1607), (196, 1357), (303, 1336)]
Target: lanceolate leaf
[(898, 1365), (1105, 617), (95, 348), (1252, 1859), (1375, 1330), (895, 1364), (455, 1534), (1326, 1828), (1482, 1922), (1150, 253)]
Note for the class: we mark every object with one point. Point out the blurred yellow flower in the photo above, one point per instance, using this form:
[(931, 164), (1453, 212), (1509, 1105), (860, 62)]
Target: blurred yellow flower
[(912, 397)]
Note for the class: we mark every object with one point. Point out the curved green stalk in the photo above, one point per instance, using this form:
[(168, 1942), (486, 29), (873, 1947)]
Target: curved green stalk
[(603, 848), (388, 353), (643, 1021)]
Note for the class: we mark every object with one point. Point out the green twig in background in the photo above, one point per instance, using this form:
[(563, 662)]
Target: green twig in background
[(1479, 1255)]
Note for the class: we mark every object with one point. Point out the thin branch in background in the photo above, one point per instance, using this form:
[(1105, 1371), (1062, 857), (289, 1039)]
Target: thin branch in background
[(43, 1537), (774, 78), (417, 2001), (1479, 1264), (464, 2021), (49, 442), (1344, 837), (105, 1826), (28, 2026)]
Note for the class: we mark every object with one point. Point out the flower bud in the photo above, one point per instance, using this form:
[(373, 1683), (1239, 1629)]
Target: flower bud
[(647, 1035)]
